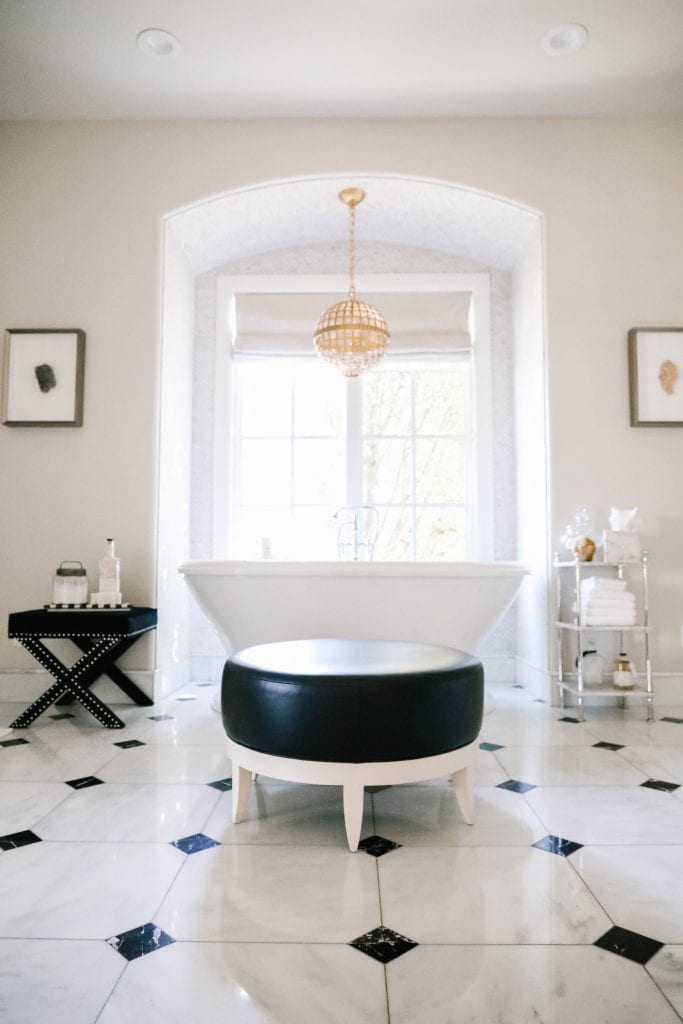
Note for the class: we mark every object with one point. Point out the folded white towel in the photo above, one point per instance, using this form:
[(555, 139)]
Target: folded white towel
[(607, 618), (624, 600), (602, 583)]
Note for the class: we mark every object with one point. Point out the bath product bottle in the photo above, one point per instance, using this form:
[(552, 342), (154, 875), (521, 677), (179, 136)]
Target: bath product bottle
[(624, 673), (591, 665), (109, 592)]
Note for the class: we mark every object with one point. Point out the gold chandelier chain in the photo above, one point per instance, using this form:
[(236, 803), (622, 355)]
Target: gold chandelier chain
[(352, 251)]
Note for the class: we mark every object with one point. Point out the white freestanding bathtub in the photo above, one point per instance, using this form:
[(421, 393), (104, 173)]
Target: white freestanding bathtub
[(449, 603)]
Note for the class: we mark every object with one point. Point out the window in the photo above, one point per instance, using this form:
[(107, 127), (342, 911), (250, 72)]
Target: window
[(305, 442)]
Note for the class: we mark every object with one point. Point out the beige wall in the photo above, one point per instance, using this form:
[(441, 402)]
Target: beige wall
[(81, 246)]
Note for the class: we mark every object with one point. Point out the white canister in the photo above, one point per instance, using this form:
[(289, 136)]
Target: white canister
[(70, 584), (591, 666)]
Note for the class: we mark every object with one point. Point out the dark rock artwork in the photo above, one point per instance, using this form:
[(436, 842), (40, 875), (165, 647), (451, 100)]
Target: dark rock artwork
[(45, 376)]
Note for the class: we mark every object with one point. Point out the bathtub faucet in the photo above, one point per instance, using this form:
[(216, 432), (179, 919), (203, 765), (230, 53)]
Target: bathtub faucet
[(357, 532)]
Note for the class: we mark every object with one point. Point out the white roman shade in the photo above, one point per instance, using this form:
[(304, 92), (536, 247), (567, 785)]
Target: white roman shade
[(420, 323)]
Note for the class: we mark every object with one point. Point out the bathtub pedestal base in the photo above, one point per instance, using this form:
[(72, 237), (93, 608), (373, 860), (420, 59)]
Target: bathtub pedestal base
[(458, 764)]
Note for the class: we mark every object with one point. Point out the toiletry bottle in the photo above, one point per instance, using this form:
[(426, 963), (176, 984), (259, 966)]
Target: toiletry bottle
[(624, 674), (109, 592)]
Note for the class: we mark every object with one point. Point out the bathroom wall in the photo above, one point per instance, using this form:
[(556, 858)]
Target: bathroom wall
[(82, 207)]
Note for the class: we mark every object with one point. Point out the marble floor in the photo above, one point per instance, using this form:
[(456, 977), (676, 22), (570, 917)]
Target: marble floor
[(126, 893)]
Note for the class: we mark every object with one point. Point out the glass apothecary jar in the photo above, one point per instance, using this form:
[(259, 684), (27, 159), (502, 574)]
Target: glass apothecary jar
[(70, 584)]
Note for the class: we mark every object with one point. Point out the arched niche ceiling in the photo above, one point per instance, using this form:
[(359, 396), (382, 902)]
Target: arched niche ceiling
[(397, 211)]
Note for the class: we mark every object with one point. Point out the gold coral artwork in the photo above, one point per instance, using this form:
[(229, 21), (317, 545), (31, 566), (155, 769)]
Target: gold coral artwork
[(668, 375), (655, 357)]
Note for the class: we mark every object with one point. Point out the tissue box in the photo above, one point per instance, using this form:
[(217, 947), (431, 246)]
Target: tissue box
[(621, 546)]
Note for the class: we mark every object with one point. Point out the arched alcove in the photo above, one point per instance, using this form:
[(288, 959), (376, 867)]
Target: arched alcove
[(297, 226)]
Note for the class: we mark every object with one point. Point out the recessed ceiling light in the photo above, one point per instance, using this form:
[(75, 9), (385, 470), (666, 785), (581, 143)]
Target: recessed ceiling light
[(564, 39), (157, 42)]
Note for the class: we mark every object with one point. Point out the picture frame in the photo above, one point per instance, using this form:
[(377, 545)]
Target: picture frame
[(43, 377), (655, 360)]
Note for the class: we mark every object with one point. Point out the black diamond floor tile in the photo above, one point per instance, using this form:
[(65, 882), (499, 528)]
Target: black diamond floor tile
[(629, 944), (126, 744), (188, 696), (160, 718), (204, 684), (555, 844), (669, 718), (382, 944), (12, 743), (603, 745), (377, 846), (539, 700), (568, 718), (517, 686), (516, 787), (16, 839), (491, 746), (665, 787), (61, 717), (195, 843), (85, 782), (140, 941), (222, 784)]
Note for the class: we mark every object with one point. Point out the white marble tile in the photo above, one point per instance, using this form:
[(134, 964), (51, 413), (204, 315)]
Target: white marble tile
[(524, 731), (666, 967), (429, 816), (520, 985), (631, 728), (606, 815), (60, 981), (168, 763), (657, 762), (285, 813), (487, 895), (487, 769), (39, 762), (196, 723), (638, 886), (24, 804), (569, 766), (273, 894), (83, 890), (126, 812), (215, 983)]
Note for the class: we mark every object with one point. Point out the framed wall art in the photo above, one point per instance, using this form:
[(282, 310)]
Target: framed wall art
[(655, 360), (43, 377)]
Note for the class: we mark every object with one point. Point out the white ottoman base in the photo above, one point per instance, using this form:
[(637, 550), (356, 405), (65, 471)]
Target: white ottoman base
[(458, 764)]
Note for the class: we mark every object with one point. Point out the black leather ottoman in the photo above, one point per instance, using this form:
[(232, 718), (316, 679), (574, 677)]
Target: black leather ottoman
[(352, 713)]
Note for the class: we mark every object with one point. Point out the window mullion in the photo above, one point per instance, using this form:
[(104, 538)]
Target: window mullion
[(354, 442)]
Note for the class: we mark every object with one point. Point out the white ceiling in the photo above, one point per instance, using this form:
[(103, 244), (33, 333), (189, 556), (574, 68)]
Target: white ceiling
[(78, 59)]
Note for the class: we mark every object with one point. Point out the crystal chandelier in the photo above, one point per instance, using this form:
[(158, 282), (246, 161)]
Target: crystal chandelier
[(351, 334)]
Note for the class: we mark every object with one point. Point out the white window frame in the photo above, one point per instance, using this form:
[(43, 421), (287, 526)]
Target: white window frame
[(477, 284)]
